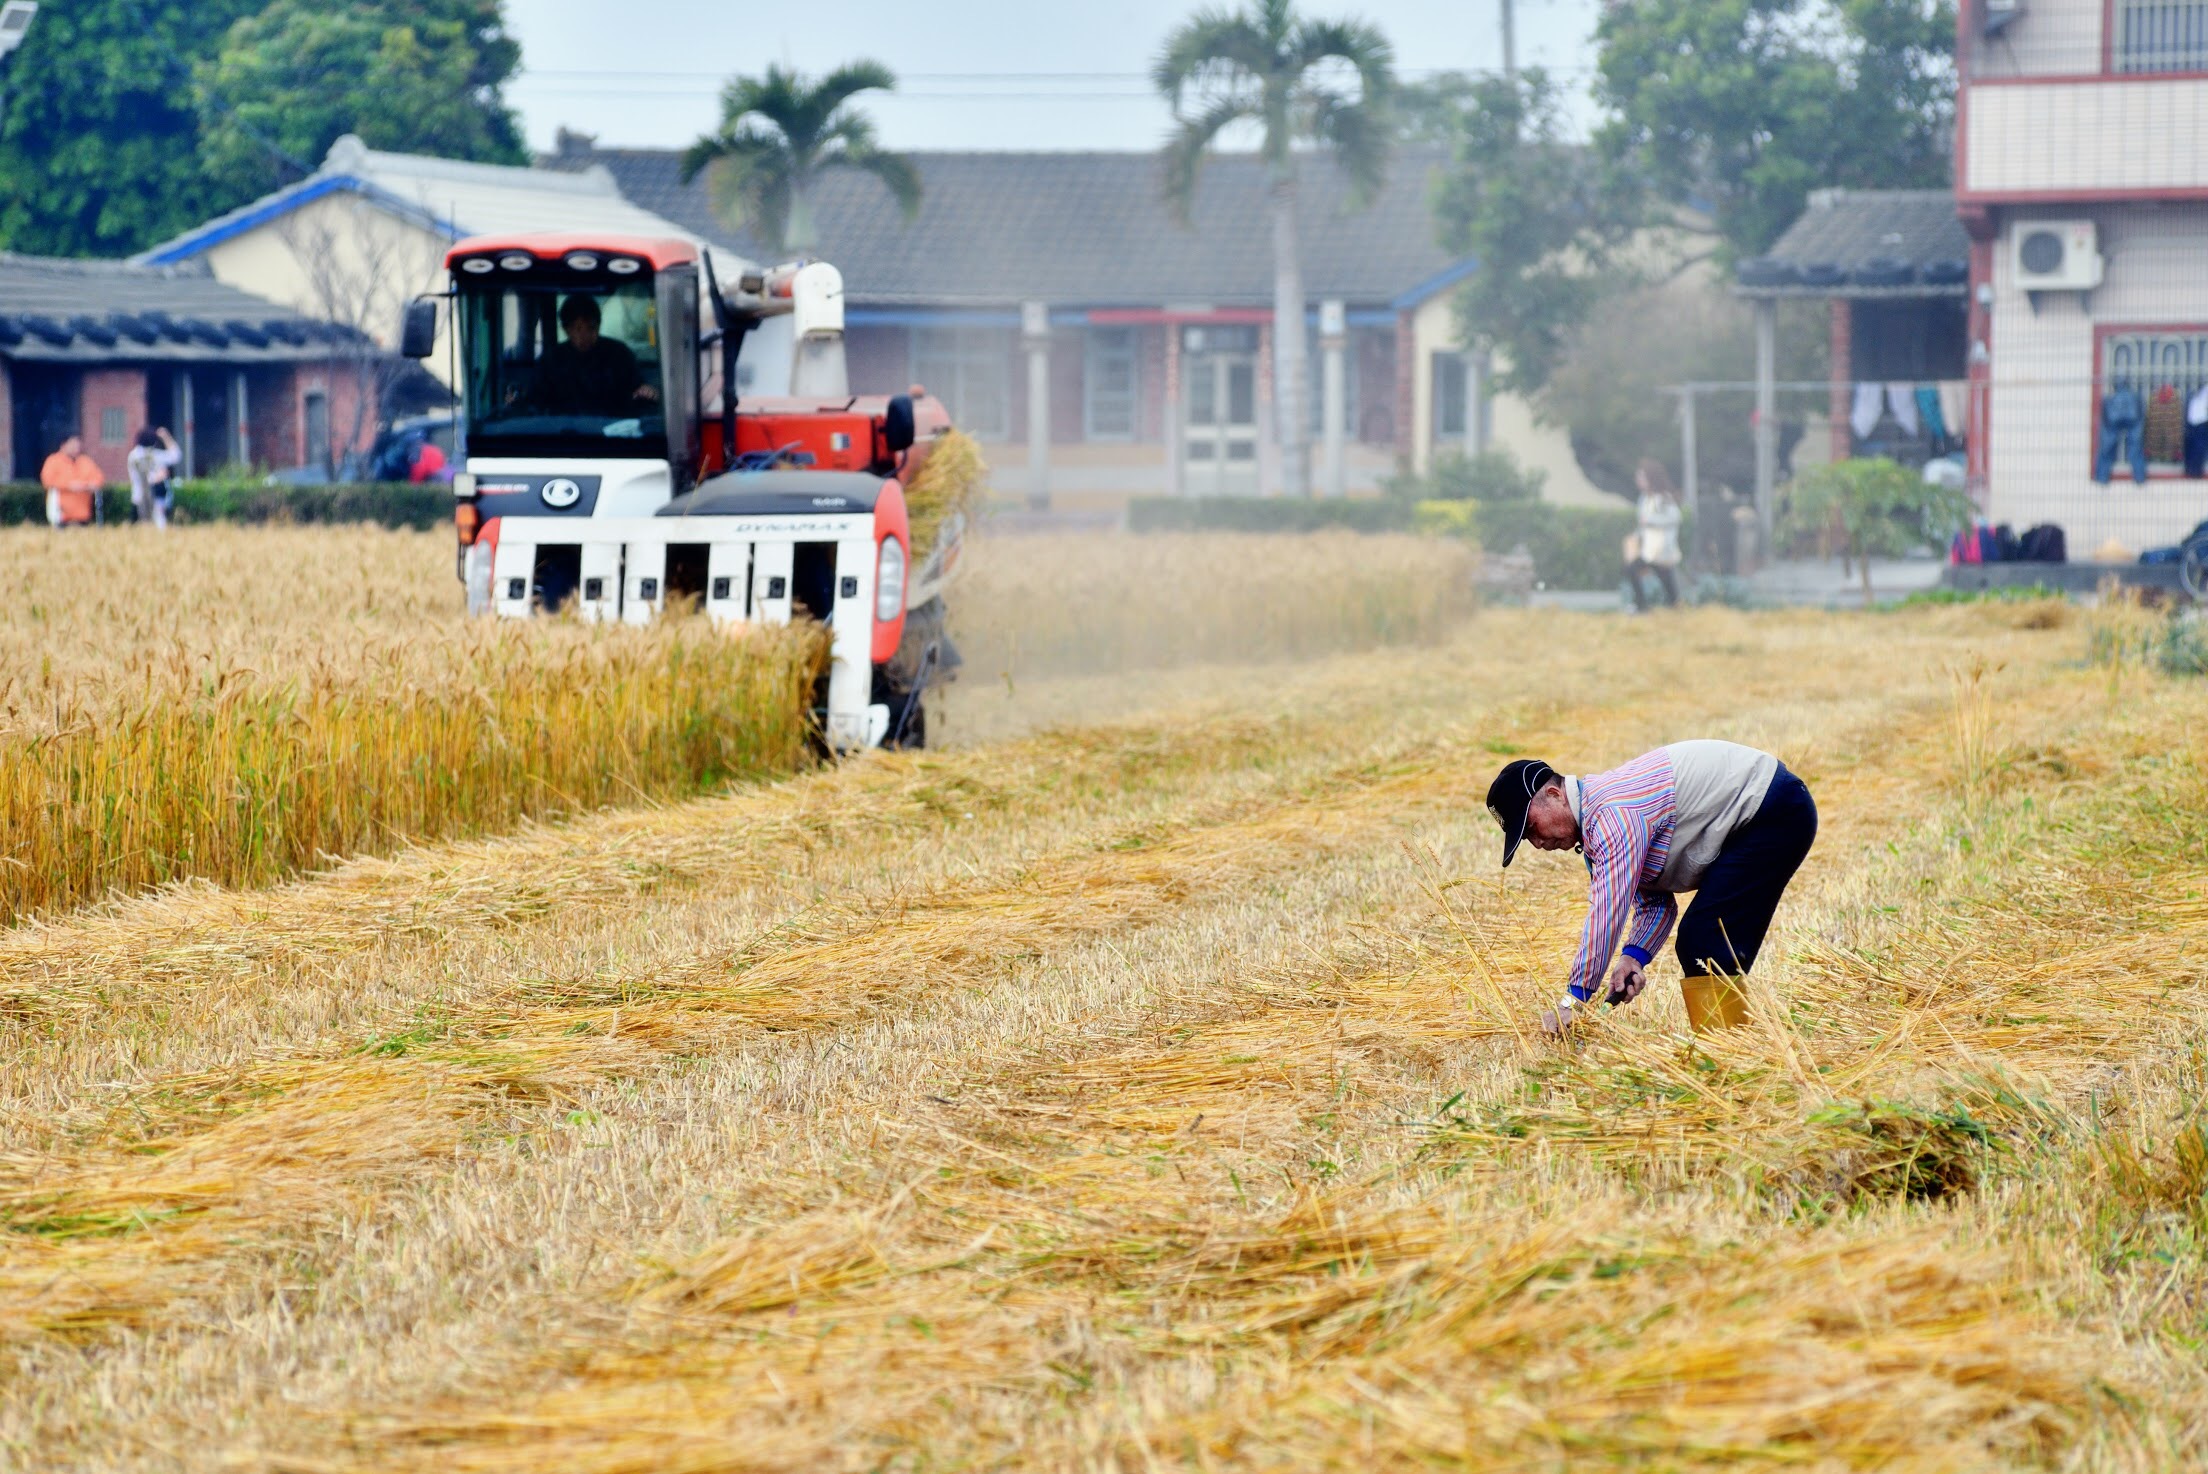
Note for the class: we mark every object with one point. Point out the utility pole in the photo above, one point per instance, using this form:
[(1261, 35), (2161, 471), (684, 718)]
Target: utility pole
[(1510, 40)]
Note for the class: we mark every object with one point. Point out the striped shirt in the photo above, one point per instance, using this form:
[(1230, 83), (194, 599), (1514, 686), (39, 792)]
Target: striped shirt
[(1649, 829), (1626, 817)]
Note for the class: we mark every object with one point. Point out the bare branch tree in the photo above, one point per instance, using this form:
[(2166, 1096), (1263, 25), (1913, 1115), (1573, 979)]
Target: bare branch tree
[(360, 267)]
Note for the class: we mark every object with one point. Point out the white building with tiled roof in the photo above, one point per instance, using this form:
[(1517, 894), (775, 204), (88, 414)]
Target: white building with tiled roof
[(1154, 355), (368, 230)]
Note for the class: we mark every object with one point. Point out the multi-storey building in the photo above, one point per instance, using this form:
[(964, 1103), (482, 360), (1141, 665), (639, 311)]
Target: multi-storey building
[(2081, 175)]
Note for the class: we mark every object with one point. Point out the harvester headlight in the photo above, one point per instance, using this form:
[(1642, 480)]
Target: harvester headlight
[(476, 264), (624, 266), (889, 581), (516, 261), (582, 261)]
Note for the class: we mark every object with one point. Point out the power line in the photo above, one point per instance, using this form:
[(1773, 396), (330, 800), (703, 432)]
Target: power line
[(658, 74)]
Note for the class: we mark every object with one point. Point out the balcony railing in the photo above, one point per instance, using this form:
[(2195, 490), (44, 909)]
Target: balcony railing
[(2158, 36)]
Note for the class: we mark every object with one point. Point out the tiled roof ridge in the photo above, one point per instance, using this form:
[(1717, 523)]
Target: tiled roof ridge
[(385, 168), (555, 160), (106, 266), (1820, 199)]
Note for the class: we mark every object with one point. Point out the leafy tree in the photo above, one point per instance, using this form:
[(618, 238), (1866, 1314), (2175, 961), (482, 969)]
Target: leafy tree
[(1744, 106), (778, 134), (1300, 81), (1722, 116), (1540, 217), (420, 77), (1608, 390), (1874, 508), (98, 138)]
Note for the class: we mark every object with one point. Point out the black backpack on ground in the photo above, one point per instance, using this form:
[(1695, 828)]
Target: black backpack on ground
[(2043, 544)]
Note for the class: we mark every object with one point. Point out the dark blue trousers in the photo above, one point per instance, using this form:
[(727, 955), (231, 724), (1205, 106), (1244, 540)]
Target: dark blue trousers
[(2121, 442), (1723, 929)]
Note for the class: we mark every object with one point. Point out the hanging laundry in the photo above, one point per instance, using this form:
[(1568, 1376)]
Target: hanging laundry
[(2165, 427), (2196, 408), (2122, 434), (1863, 416), (1902, 400), (1935, 422), (1955, 407)]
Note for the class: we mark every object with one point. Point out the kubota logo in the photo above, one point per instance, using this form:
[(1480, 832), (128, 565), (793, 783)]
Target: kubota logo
[(561, 492)]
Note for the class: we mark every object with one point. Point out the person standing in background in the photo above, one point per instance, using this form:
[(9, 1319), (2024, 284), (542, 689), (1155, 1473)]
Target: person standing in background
[(72, 480), (152, 464), (1656, 538)]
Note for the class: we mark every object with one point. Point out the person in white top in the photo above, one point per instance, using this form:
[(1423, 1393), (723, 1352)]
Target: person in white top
[(152, 462), (1656, 539)]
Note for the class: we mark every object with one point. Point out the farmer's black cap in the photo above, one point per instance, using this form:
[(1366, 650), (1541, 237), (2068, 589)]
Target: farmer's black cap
[(1507, 797)]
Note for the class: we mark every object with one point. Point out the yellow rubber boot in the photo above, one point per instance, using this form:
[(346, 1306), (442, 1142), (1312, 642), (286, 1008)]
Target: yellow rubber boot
[(1714, 1001)]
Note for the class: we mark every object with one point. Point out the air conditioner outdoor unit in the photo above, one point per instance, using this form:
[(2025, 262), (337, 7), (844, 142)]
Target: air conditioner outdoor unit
[(2057, 256)]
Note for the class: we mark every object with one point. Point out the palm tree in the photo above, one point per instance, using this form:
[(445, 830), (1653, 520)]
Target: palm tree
[(1322, 83), (778, 134)]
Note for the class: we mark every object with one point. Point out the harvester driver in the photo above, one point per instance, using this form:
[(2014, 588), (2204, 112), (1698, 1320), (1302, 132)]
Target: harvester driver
[(587, 373), (1722, 820)]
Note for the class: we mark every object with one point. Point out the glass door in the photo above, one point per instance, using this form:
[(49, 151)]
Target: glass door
[(1219, 411)]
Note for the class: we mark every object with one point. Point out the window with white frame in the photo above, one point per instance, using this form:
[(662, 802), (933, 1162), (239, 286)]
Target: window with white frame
[(2166, 367), (1449, 393), (1461, 406), (970, 370), (1111, 384), (2158, 35), (316, 408)]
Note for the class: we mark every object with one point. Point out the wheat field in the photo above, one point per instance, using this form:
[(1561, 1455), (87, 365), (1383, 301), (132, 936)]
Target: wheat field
[(1147, 1083), (243, 704)]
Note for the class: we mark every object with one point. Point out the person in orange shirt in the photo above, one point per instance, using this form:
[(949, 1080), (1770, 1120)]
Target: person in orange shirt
[(72, 480)]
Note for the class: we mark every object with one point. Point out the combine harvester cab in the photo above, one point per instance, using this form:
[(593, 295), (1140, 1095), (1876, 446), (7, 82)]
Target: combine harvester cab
[(613, 474)]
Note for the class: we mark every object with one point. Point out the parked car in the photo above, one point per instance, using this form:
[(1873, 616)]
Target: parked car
[(391, 457)]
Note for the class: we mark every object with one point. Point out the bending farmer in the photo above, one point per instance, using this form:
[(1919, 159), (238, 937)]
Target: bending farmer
[(1725, 821)]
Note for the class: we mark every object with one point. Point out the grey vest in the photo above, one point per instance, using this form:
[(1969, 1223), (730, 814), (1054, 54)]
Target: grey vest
[(1720, 786)]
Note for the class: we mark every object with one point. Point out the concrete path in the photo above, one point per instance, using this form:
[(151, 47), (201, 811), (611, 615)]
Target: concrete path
[(1819, 584)]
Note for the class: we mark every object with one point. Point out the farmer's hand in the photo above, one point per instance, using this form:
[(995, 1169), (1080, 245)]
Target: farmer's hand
[(1626, 981), (1559, 1021)]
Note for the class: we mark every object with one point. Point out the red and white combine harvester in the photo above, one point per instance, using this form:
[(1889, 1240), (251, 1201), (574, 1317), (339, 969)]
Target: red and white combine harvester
[(611, 469)]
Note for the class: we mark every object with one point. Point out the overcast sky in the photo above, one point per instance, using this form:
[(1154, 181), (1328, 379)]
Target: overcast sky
[(1009, 74)]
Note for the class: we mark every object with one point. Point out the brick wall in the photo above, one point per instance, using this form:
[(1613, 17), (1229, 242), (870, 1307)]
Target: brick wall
[(1382, 400), (1150, 382), (113, 412), (1069, 362), (346, 388), (273, 417)]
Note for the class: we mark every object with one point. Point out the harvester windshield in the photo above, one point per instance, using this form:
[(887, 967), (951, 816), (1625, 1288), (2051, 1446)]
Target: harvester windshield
[(567, 367)]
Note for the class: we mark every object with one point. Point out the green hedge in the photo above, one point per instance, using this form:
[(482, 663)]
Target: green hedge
[(1265, 514), (1572, 547), (389, 503)]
